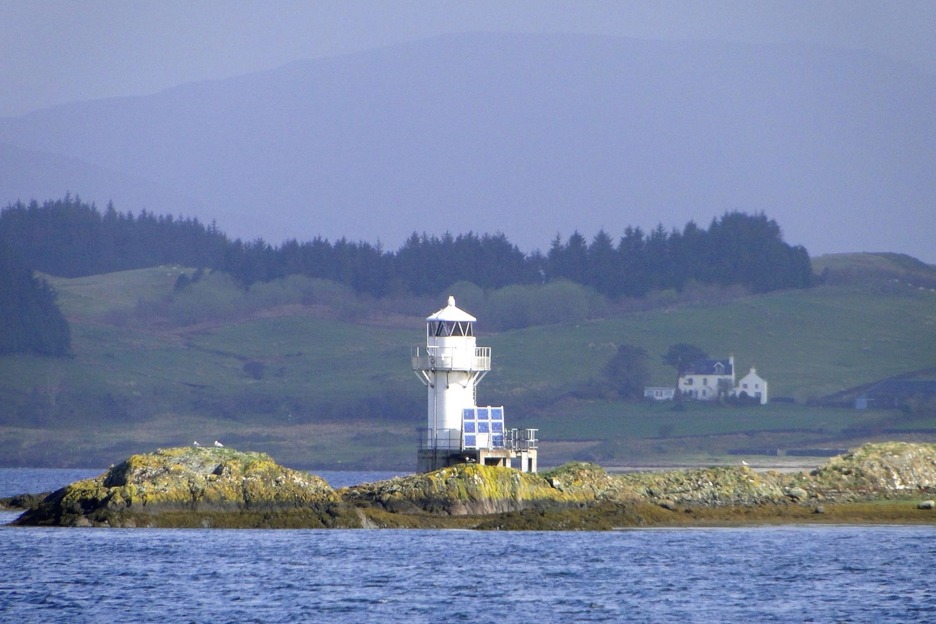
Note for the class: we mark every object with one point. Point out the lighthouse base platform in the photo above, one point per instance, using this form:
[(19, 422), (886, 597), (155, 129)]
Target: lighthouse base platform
[(429, 459)]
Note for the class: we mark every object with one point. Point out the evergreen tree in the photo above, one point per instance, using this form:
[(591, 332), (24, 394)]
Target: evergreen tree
[(628, 371), (659, 259), (604, 268), (30, 319), (681, 356), (633, 263), (569, 261)]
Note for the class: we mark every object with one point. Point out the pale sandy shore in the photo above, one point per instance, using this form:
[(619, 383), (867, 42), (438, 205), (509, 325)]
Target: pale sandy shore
[(777, 464)]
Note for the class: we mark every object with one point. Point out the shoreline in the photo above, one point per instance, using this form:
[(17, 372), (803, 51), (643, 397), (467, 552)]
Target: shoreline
[(885, 483), (644, 516)]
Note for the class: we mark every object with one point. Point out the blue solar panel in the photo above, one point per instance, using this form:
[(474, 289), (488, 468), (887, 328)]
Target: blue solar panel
[(480, 422)]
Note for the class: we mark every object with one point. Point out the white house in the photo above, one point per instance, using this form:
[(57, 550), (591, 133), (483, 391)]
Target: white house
[(707, 380), (752, 386)]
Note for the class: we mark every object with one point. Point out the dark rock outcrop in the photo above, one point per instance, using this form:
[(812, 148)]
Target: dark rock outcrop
[(22, 501)]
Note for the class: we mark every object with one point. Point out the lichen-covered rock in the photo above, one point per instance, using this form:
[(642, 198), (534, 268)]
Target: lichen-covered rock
[(874, 470), (711, 487), (465, 489), (585, 481), (195, 486)]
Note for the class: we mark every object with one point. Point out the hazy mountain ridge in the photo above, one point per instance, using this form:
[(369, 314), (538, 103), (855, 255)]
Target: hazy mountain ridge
[(525, 134), (25, 170)]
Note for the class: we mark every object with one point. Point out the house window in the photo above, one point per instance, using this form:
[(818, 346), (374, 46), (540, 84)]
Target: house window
[(705, 381)]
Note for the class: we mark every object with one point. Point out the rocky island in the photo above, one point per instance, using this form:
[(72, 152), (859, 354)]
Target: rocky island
[(221, 487), (194, 487)]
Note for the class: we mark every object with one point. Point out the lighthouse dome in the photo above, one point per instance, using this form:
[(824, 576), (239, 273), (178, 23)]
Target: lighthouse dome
[(452, 313)]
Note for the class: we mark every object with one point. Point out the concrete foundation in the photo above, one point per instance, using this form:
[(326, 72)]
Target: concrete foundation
[(428, 460)]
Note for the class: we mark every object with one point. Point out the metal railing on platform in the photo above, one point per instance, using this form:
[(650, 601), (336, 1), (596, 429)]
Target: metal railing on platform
[(522, 439), (440, 439), (452, 439)]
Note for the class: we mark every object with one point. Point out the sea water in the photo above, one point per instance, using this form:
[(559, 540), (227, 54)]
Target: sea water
[(763, 574)]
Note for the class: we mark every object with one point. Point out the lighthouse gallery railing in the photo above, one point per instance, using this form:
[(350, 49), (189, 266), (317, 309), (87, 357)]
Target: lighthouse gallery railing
[(451, 358)]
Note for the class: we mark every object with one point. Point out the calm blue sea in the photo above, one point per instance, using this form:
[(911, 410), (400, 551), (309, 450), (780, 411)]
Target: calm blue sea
[(767, 574)]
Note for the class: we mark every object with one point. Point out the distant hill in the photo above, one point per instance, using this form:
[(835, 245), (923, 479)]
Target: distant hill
[(529, 135)]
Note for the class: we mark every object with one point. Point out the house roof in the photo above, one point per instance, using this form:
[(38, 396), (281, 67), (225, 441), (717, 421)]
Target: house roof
[(711, 367)]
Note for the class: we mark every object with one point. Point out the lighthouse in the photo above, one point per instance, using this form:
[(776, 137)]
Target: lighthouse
[(451, 366)]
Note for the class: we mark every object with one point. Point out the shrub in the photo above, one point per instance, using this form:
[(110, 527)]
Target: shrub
[(255, 369)]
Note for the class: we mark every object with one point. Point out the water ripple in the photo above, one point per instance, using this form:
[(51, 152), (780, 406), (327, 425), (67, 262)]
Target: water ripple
[(772, 574)]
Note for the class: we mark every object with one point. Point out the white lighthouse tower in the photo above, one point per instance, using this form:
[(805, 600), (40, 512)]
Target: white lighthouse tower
[(451, 365)]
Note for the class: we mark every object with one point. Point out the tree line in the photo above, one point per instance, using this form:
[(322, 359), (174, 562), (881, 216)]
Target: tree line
[(70, 238), (737, 249)]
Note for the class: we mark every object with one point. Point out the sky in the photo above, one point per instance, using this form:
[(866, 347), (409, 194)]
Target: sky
[(59, 51)]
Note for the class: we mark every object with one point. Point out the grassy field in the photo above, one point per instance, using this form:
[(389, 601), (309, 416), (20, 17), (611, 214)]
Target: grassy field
[(320, 392), (805, 343)]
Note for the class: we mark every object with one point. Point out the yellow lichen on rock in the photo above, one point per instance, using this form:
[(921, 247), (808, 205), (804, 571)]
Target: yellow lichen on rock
[(465, 489), (189, 480)]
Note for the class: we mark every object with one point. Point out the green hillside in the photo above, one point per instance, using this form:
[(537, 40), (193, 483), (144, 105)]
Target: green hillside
[(285, 374), (806, 343)]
